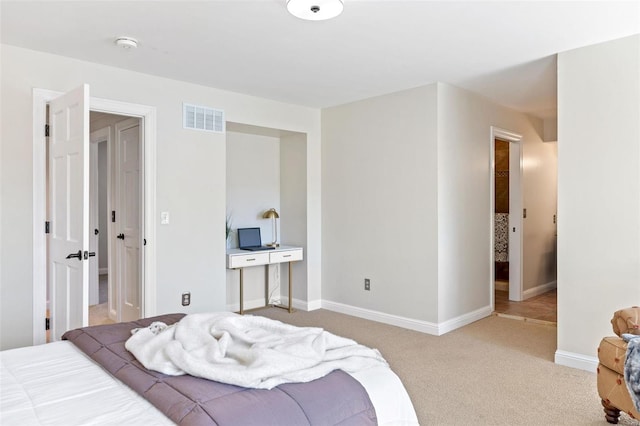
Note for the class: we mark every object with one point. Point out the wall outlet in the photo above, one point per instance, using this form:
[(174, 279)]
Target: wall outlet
[(186, 299), (367, 284)]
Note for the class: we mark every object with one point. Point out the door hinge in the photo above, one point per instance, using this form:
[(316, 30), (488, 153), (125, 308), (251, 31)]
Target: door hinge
[(47, 228), (144, 241), (47, 324), (113, 216), (46, 130)]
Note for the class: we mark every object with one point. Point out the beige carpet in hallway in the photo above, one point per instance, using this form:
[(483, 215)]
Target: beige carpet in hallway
[(99, 314), (496, 371)]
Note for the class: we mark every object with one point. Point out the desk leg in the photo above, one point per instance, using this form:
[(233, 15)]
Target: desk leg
[(241, 290), (290, 288), (266, 285)]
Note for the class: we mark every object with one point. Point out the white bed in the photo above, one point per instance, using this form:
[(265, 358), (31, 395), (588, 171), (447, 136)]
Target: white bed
[(57, 384)]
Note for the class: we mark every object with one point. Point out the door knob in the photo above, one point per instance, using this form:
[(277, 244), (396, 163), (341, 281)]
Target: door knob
[(120, 236), (77, 255), (88, 254)]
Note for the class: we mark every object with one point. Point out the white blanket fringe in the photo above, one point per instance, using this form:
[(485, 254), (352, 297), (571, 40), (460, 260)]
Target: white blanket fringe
[(248, 351)]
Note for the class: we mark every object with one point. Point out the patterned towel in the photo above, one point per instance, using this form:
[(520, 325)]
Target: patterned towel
[(501, 241), (632, 368)]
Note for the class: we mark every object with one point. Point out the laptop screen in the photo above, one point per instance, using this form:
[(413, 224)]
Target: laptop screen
[(249, 237)]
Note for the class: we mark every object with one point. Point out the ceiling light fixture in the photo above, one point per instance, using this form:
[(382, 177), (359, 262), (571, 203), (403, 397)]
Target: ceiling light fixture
[(126, 42), (315, 10)]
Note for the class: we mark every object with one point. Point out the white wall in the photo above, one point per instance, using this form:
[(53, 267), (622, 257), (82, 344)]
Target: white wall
[(406, 203), (599, 192), (253, 182), (293, 214), (191, 179), (253, 186), (379, 217)]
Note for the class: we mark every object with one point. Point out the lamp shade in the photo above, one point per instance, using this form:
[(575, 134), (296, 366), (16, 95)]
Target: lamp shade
[(271, 213), (315, 10)]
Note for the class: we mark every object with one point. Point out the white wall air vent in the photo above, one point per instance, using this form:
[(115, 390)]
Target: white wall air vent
[(198, 117)]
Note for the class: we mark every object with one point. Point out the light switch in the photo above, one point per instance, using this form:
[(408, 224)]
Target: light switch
[(164, 218)]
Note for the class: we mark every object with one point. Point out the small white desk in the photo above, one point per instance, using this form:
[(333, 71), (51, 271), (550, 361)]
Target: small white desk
[(240, 259)]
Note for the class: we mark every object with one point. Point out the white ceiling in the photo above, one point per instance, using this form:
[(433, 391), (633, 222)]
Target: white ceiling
[(504, 50)]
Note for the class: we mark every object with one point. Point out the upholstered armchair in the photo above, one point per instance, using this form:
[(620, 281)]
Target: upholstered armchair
[(612, 356)]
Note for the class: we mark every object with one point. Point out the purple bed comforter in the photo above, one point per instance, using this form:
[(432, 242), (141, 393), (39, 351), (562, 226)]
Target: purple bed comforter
[(336, 399)]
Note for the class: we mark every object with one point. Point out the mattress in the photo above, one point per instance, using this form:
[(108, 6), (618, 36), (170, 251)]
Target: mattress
[(57, 384)]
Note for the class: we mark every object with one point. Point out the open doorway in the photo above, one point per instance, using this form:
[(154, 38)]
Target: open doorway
[(115, 217), (501, 219), (510, 296), (506, 220)]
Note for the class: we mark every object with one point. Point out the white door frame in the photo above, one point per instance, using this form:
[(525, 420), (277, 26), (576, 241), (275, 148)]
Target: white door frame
[(94, 219), (41, 97), (515, 288)]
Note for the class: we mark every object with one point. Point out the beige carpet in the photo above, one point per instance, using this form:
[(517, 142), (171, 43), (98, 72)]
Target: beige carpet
[(99, 314), (496, 371)]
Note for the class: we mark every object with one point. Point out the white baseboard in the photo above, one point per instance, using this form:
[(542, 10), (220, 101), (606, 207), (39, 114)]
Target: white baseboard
[(574, 360), (398, 321), (543, 288), (462, 320), (422, 326), (409, 323), (313, 305), (248, 304), (259, 303), (303, 305)]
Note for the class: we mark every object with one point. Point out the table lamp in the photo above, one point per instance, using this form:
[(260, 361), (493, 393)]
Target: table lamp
[(273, 214)]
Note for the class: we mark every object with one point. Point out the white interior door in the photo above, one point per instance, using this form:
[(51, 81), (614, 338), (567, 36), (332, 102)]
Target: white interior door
[(515, 221), (69, 210), (129, 218)]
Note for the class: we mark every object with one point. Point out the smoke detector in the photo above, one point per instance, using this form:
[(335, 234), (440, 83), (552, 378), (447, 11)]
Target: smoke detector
[(126, 42)]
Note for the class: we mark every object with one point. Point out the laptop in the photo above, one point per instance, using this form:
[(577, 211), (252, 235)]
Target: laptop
[(250, 239)]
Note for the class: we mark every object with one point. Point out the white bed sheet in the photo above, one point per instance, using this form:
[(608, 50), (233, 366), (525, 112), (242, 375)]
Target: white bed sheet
[(57, 384)]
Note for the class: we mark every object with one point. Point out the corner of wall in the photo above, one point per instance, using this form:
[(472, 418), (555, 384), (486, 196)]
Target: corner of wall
[(550, 129)]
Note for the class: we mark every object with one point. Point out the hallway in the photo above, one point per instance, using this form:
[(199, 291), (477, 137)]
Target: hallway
[(541, 308), (99, 314)]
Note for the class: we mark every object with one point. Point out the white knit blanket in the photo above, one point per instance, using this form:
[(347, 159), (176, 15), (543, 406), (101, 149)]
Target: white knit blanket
[(249, 351)]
